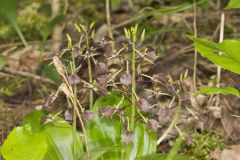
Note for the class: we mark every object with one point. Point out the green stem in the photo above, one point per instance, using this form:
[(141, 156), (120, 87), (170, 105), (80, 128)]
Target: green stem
[(42, 49), (133, 110), (90, 76), (174, 121), (75, 124), (74, 112)]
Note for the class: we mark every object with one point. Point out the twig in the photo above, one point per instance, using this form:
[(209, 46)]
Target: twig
[(108, 17), (27, 74), (195, 51), (57, 30)]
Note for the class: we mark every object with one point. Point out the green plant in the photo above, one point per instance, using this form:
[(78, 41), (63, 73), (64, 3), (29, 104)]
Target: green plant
[(233, 4), (42, 136), (111, 129), (147, 12), (11, 85), (131, 35), (88, 34), (229, 59), (201, 144), (8, 11), (112, 125), (2, 61)]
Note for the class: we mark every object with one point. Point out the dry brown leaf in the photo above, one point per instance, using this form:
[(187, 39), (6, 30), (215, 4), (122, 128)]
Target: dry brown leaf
[(24, 59), (231, 125), (230, 153)]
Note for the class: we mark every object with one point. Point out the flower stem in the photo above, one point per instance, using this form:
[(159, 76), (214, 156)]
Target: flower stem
[(133, 110), (74, 125), (75, 114), (89, 75)]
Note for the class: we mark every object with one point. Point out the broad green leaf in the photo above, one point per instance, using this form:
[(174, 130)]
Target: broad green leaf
[(215, 90), (233, 4), (8, 11), (50, 72), (22, 144), (50, 141), (111, 100), (97, 153), (103, 133), (33, 119), (230, 49), (59, 136), (2, 61), (144, 142)]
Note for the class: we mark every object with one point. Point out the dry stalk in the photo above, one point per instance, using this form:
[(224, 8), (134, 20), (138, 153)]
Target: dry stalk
[(221, 37), (67, 89), (195, 51), (108, 17)]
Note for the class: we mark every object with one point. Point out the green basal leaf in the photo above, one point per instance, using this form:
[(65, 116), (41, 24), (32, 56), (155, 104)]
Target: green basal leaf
[(233, 4), (8, 11), (111, 100), (97, 153), (59, 138), (22, 144), (52, 140), (215, 90), (50, 72), (230, 49), (144, 142), (2, 62), (33, 119), (103, 133)]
